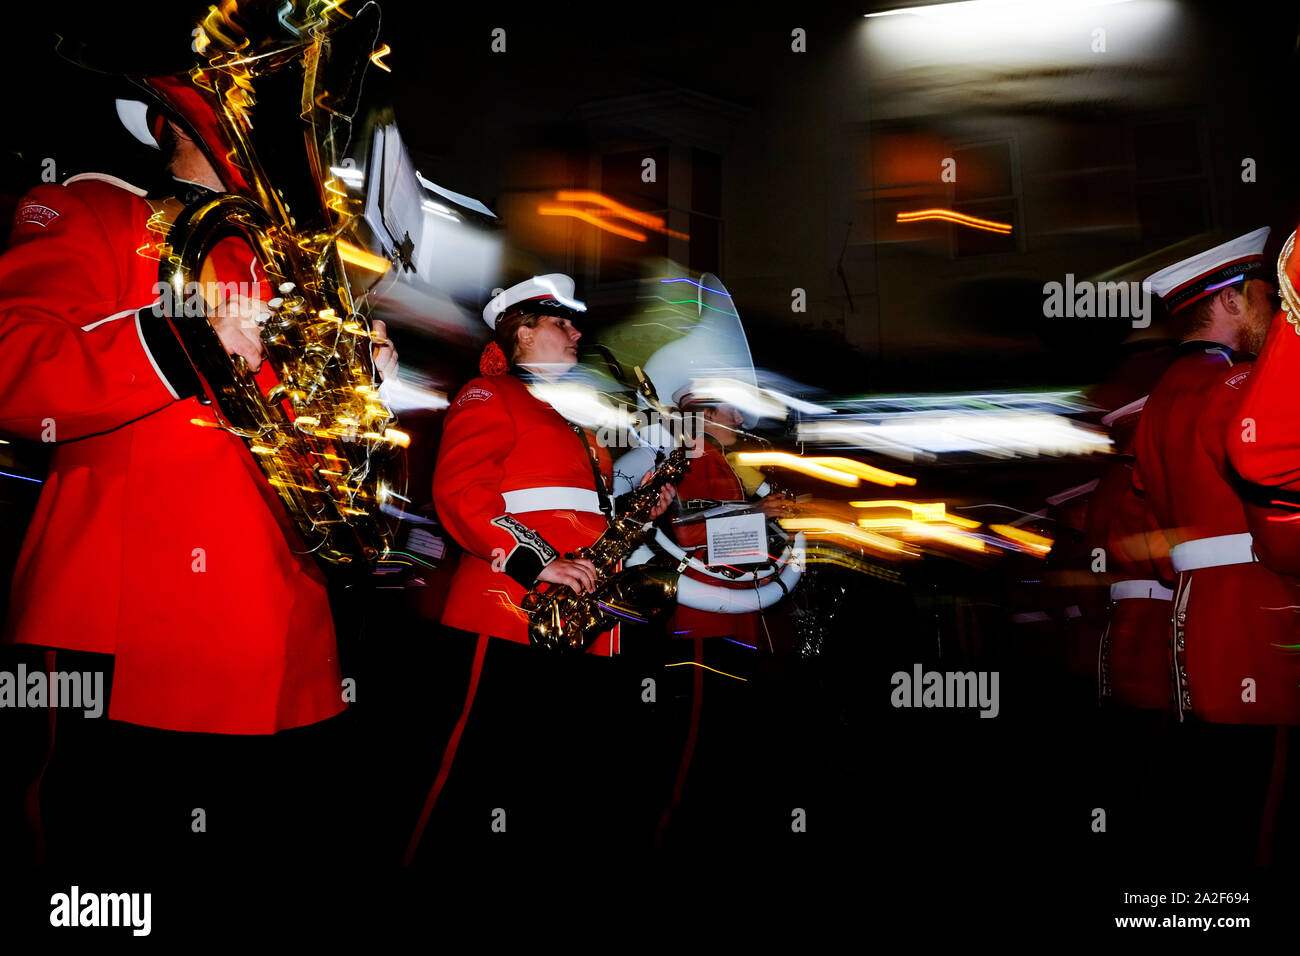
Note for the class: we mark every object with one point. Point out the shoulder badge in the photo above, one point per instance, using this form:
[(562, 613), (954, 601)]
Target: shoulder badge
[(38, 214), (473, 395)]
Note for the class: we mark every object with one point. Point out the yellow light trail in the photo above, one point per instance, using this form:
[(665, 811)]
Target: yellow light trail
[(921, 511), (357, 256), (839, 558), (849, 532), (1036, 543), (707, 668), (923, 529), (157, 224), (841, 471), (961, 219), (381, 52)]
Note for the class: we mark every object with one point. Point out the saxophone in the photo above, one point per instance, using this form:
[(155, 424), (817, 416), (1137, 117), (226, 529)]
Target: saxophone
[(324, 440), (563, 621)]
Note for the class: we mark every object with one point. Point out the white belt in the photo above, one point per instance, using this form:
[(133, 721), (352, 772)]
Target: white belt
[(1123, 590), (555, 498), (1213, 552)]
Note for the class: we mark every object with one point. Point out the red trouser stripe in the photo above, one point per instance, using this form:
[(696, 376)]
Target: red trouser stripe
[(697, 701), (449, 754)]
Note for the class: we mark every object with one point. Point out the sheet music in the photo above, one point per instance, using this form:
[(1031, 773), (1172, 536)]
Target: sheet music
[(394, 211)]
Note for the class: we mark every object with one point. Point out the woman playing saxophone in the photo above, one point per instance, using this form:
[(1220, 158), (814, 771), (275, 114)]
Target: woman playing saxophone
[(523, 491)]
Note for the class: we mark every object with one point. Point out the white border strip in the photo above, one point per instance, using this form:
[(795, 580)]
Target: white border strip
[(112, 318)]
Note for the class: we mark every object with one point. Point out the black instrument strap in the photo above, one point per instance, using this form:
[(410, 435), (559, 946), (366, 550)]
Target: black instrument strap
[(602, 490)]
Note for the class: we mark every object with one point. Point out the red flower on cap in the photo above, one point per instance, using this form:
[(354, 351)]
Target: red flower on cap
[(493, 360)]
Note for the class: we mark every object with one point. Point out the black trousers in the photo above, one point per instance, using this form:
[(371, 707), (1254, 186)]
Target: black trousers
[(747, 758), (586, 753), (92, 795), (550, 752)]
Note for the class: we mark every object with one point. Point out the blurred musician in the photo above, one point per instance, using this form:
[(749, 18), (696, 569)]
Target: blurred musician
[(523, 490), (1233, 623)]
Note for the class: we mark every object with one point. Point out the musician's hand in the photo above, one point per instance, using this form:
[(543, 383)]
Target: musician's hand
[(577, 573), (777, 505), (666, 495), (234, 321), (385, 352)]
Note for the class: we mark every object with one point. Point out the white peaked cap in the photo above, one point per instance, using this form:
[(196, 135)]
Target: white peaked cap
[(1183, 283), (712, 361), (548, 295), (134, 115)]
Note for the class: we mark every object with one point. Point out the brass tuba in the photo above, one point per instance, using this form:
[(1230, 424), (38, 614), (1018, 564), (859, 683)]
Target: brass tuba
[(272, 106), (561, 620)]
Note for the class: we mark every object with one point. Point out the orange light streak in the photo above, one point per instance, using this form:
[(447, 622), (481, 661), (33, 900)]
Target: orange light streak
[(508, 604), (615, 208), (592, 218), (960, 219), (625, 212)]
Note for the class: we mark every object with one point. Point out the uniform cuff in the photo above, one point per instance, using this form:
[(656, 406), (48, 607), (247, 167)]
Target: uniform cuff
[(165, 354), (530, 554), (524, 565)]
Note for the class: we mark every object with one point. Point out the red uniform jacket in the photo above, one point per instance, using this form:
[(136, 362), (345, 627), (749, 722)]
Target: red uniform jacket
[(1134, 660), (506, 458), (1264, 446), (710, 478), (1240, 618), (1266, 449), (154, 538)]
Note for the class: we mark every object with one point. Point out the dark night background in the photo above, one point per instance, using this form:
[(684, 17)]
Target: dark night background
[(787, 170)]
